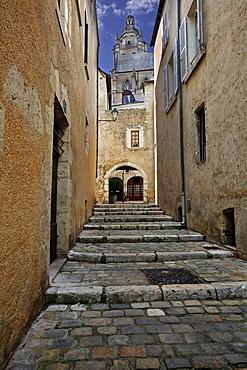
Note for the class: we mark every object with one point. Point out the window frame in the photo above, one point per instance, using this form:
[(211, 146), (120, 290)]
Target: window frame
[(191, 39), (135, 138), (201, 134), (165, 30), (170, 79), (62, 15)]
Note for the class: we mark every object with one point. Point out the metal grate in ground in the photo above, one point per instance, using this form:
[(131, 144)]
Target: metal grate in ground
[(170, 276)]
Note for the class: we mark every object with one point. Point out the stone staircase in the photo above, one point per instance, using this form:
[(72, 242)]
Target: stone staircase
[(122, 244)]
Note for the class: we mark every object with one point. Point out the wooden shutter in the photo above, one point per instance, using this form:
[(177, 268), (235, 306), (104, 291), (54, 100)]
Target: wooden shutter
[(175, 67), (165, 30), (166, 85), (183, 48), (200, 23)]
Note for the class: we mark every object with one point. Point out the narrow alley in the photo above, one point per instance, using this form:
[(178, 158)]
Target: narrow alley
[(138, 291)]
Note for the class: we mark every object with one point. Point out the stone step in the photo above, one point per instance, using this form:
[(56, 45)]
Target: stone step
[(133, 226), (80, 253), (127, 205), (138, 236), (79, 282), (130, 218), (127, 212)]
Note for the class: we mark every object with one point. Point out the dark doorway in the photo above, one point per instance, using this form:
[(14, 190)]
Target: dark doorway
[(115, 189), (135, 188), (57, 151), (60, 124), (229, 227)]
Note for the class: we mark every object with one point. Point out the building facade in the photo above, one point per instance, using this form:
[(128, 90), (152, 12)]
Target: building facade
[(126, 145), (48, 98), (200, 96)]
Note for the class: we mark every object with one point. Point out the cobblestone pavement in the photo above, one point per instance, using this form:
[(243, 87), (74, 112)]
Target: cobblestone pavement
[(102, 313), (189, 334)]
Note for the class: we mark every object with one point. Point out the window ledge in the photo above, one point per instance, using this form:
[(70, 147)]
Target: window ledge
[(173, 99), (61, 23), (195, 62), (86, 70)]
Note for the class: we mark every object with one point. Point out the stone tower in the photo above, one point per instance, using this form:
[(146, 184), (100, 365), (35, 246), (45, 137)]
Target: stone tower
[(133, 65)]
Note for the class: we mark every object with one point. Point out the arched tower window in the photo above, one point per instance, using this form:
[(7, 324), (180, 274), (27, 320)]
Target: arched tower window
[(127, 97), (127, 85)]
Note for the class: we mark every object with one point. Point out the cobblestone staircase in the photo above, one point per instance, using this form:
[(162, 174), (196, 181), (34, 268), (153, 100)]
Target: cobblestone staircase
[(121, 241)]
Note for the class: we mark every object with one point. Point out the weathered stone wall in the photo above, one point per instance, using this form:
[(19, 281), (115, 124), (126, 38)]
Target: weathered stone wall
[(219, 82), (37, 64), (114, 150)]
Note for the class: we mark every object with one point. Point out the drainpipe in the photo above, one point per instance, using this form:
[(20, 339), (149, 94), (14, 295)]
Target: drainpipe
[(97, 114), (181, 118)]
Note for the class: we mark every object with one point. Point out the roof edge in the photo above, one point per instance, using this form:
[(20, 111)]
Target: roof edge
[(157, 21)]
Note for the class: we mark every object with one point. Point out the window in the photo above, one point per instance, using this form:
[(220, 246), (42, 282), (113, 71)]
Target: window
[(165, 30), (171, 78), (191, 38), (127, 85), (135, 138), (201, 135), (127, 97), (86, 136), (62, 14), (85, 39)]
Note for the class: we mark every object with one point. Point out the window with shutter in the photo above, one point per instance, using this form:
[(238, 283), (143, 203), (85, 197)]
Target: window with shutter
[(175, 67), (165, 30), (183, 48), (166, 86)]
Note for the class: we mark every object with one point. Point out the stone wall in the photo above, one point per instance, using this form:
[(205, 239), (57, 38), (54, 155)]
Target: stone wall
[(114, 148), (216, 186), (42, 69)]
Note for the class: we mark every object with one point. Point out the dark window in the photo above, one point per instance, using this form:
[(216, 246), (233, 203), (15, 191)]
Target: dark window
[(229, 227), (201, 134), (86, 40), (134, 139)]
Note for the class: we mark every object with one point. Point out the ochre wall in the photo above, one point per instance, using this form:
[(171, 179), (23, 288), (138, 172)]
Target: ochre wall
[(35, 67), (218, 82)]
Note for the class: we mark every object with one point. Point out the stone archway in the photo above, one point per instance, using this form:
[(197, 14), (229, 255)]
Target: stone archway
[(117, 171)]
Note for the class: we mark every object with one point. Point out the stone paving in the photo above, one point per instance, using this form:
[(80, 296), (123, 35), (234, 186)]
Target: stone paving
[(189, 334), (103, 314)]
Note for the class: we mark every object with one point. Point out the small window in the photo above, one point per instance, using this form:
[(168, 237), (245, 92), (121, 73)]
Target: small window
[(135, 139), (127, 97), (229, 227), (191, 38), (86, 136), (201, 135), (85, 39), (170, 78), (62, 14), (165, 30)]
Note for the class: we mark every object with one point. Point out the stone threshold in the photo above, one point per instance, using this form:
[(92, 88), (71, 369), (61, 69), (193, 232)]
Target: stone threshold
[(139, 238), (144, 293), (146, 257)]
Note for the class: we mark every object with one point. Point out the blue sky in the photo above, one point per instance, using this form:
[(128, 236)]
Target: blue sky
[(111, 20)]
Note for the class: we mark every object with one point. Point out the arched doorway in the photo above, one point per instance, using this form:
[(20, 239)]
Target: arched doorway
[(115, 189), (135, 188), (125, 171)]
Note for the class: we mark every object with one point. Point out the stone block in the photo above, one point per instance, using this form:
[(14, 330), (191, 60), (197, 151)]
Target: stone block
[(72, 295), (160, 238), (85, 257), (191, 238), (231, 289), (188, 291), (130, 257), (177, 256), (133, 293), (147, 363)]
